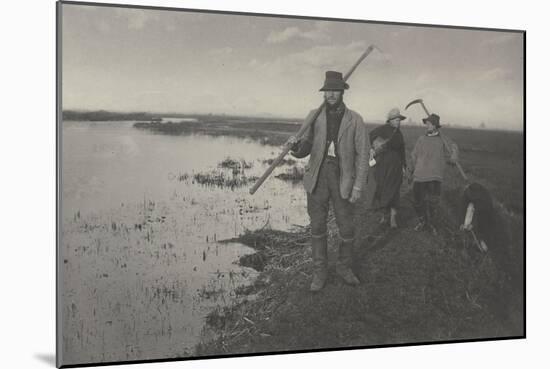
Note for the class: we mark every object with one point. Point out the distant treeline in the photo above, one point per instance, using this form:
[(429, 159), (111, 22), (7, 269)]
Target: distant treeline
[(104, 115)]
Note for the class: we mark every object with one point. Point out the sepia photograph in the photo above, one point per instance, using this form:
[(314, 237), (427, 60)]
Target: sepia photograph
[(235, 183)]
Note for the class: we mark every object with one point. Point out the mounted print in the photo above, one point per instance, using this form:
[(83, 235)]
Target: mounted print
[(233, 183)]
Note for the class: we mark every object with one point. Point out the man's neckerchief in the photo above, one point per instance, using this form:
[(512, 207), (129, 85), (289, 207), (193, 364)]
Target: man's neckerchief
[(433, 133), (334, 118)]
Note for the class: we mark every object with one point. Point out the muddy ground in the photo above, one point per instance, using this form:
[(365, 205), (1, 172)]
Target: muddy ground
[(415, 287)]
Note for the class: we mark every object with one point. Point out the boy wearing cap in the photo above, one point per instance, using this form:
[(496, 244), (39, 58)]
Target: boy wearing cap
[(428, 160), (337, 144)]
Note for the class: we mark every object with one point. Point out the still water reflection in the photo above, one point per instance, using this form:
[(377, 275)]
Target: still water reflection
[(141, 264)]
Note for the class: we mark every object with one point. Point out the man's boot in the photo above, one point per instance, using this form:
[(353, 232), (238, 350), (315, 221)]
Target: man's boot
[(421, 224), (345, 259), (431, 216), (384, 217), (319, 256), (393, 216)]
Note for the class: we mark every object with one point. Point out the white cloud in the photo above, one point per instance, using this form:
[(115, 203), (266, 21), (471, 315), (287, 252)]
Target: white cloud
[(318, 59), (284, 35), (174, 21), (318, 33), (136, 18)]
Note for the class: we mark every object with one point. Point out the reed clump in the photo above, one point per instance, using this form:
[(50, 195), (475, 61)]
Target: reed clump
[(294, 174)]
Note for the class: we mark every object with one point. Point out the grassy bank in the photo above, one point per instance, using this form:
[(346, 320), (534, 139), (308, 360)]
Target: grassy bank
[(415, 287)]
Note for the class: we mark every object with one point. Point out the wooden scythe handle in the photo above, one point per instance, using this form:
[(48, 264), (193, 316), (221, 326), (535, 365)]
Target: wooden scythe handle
[(425, 109), (287, 145), (458, 166)]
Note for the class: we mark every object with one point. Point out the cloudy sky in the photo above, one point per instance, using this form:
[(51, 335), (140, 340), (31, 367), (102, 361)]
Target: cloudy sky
[(165, 61)]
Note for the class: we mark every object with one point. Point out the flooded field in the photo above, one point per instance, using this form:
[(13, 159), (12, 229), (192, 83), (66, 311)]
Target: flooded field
[(142, 214)]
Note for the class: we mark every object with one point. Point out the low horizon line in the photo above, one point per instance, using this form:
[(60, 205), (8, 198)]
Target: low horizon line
[(273, 116)]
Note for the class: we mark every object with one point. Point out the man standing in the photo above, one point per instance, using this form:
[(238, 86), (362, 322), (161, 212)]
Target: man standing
[(337, 143)]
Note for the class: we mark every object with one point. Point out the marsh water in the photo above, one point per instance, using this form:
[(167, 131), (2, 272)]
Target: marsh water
[(141, 262)]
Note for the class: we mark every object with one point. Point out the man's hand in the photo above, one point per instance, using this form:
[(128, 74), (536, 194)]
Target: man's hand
[(355, 195), (408, 173), (294, 144), (292, 141), (467, 227)]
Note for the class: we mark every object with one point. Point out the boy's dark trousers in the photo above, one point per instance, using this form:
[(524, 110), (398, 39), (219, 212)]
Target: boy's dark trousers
[(426, 199)]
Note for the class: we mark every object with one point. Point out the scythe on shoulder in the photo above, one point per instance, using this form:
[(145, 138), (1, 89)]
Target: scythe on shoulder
[(288, 144)]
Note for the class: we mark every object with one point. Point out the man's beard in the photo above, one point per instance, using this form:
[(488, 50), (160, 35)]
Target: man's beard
[(336, 104)]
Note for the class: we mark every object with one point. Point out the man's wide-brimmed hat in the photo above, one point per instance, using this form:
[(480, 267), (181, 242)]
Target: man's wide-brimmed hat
[(433, 119), (395, 113), (334, 81)]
